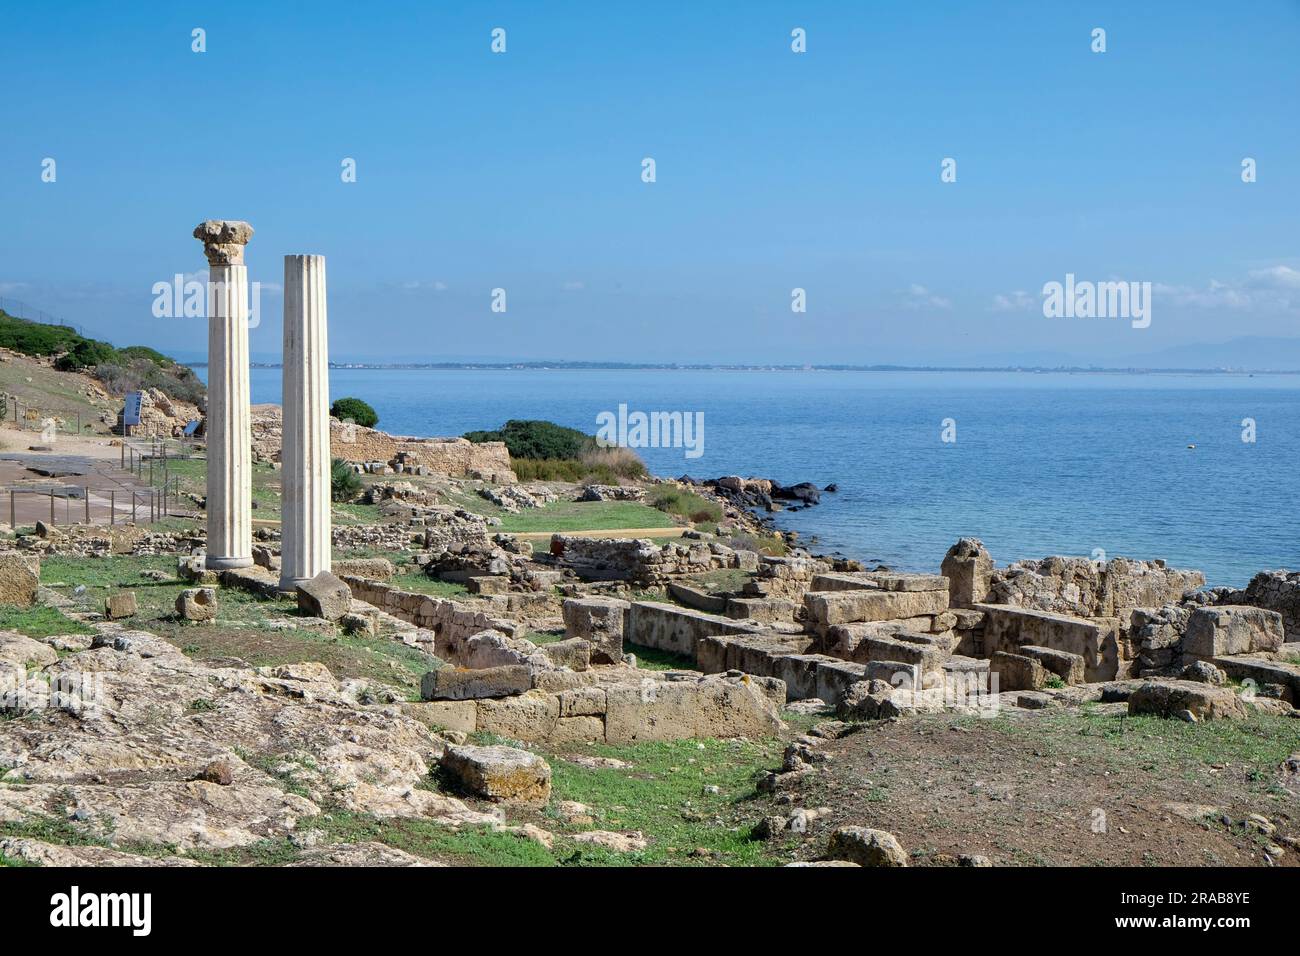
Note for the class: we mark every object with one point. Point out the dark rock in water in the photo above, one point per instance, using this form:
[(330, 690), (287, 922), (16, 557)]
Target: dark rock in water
[(805, 492), (688, 480), (832, 488)]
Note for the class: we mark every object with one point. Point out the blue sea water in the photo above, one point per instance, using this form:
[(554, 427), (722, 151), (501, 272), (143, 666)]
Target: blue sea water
[(1050, 463)]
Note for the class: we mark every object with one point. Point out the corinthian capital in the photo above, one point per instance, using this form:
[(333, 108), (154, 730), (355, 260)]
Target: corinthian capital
[(223, 240)]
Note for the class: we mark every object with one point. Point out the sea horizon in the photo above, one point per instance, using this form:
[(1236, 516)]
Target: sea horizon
[(1042, 464)]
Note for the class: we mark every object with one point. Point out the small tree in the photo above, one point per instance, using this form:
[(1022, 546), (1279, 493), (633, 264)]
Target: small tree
[(354, 410), (345, 484)]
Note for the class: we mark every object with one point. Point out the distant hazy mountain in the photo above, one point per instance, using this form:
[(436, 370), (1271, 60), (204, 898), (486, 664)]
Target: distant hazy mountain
[(1254, 352)]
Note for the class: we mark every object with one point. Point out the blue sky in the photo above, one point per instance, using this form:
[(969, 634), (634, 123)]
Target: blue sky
[(775, 170)]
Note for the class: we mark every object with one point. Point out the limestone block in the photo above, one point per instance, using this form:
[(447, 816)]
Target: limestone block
[(197, 604), (461, 715), (120, 605), (20, 576), (600, 621), (499, 773), (1017, 672), (531, 716), (1069, 667), (866, 847), (843, 607), (1186, 700), (448, 683), (324, 596), (1231, 629)]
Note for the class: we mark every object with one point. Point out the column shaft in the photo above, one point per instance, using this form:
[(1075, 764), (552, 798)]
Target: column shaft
[(229, 432), (305, 453)]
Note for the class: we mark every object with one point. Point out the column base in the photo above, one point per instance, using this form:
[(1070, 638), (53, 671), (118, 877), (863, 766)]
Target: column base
[(291, 584), (213, 563)]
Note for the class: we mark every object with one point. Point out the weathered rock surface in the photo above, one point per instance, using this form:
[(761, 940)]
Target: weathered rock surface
[(449, 683), (128, 754), (197, 604), (866, 847), (20, 577), (120, 605), (1186, 700), (1223, 631), (324, 596), (499, 773)]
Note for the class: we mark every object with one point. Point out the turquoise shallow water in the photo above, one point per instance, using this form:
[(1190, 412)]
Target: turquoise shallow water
[(1043, 463)]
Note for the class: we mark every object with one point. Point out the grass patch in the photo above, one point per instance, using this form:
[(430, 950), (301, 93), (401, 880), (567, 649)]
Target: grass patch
[(684, 795), (544, 637), (421, 583), (584, 516), (653, 659), (242, 630), (39, 621), (685, 504), (470, 846)]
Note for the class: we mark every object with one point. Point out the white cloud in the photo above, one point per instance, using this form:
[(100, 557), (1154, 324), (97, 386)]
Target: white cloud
[(919, 297), (1017, 301)]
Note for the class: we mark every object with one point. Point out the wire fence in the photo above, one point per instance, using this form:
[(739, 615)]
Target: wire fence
[(22, 310), (48, 421), (74, 504)]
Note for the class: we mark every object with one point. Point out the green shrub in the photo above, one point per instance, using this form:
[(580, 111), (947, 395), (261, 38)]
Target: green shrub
[(354, 410), (36, 338), (685, 504), (85, 354), (537, 439), (345, 484)]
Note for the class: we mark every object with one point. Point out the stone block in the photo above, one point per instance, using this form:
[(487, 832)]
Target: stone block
[(197, 604), (675, 710), (448, 683), (499, 773), (574, 653), (120, 605), (1229, 630), (324, 596), (1069, 667), (844, 607), (866, 847), (1017, 672), (375, 569), (600, 621), (531, 716), (1186, 700), (458, 715), (20, 577)]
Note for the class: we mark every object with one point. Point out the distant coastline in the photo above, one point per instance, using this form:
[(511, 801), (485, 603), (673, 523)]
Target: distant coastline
[(707, 367)]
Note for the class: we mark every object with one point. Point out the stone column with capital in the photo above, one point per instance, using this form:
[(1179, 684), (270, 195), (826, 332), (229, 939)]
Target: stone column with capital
[(229, 432), (305, 452)]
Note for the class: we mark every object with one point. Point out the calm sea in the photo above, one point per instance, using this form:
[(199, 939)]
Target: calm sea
[(1042, 463)]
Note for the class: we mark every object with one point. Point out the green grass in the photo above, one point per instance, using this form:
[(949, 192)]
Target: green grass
[(585, 516), (685, 504), (724, 580), (1255, 746), (544, 637), (421, 583), (665, 794), (653, 659), (241, 630), (39, 621)]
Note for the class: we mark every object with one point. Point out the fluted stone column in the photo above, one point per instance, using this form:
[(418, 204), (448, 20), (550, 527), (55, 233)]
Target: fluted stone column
[(230, 493), (305, 452)]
